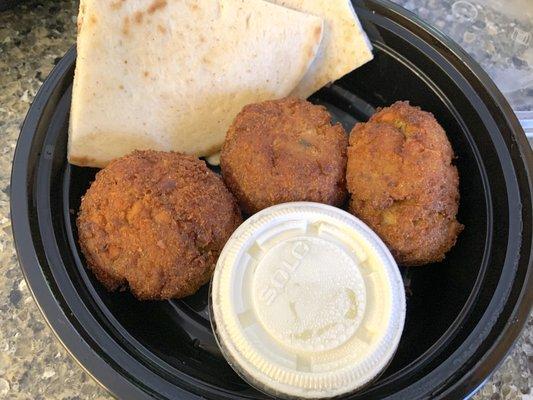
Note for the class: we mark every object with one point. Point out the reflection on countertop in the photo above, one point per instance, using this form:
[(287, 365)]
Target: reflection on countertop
[(33, 364)]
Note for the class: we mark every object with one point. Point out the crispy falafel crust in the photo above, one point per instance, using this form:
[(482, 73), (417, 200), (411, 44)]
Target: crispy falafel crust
[(155, 222), (403, 183), (284, 150)]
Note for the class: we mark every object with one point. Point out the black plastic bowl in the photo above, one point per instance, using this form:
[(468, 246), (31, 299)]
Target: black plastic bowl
[(462, 314)]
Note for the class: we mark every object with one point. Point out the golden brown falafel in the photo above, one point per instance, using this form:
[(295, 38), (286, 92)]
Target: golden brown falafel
[(403, 184), (156, 222), (284, 150)]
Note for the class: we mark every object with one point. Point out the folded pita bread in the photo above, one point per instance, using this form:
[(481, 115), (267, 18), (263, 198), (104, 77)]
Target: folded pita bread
[(344, 46), (172, 74)]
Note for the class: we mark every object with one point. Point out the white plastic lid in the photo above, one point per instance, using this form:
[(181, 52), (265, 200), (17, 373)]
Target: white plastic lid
[(307, 301)]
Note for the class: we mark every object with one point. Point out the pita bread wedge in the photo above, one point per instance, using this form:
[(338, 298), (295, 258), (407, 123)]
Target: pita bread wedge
[(344, 46), (172, 74)]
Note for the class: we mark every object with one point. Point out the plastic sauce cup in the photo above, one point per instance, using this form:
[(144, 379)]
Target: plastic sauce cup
[(307, 302)]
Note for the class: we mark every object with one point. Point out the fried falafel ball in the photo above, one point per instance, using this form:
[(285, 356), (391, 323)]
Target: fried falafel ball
[(284, 150), (403, 184), (155, 222)]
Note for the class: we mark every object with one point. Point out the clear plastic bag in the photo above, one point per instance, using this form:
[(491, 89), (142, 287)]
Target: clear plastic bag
[(497, 34)]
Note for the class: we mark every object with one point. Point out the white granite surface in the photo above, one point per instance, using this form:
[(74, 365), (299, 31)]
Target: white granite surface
[(33, 365)]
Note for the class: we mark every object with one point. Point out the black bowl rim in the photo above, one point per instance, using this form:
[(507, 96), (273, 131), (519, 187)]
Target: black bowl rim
[(116, 383)]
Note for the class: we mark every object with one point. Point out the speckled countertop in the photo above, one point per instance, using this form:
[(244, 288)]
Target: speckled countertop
[(33, 364)]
